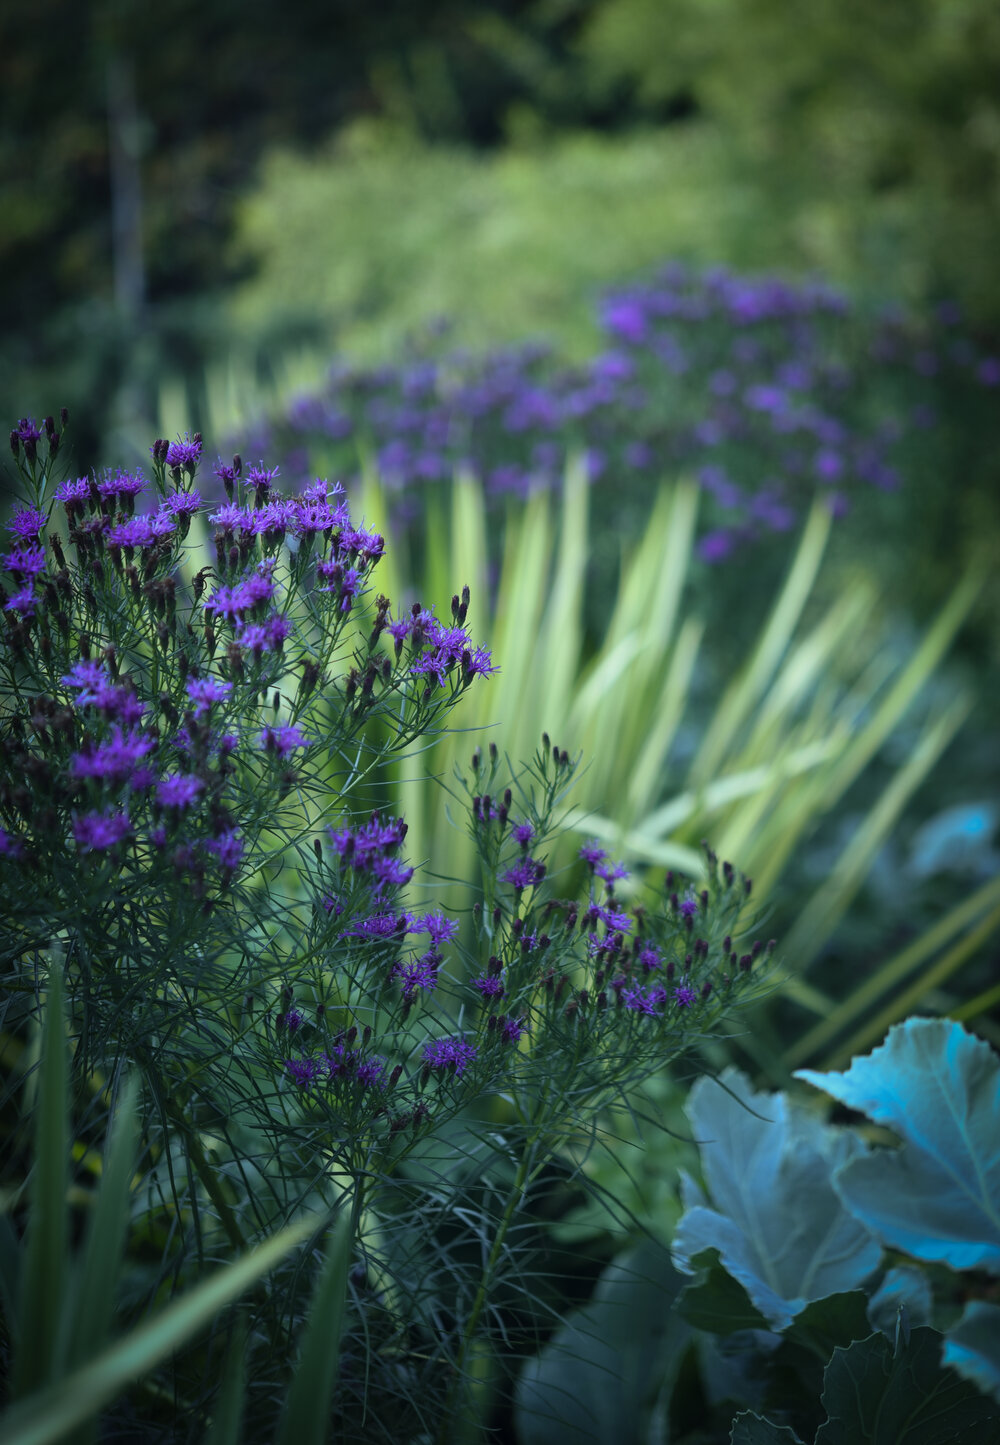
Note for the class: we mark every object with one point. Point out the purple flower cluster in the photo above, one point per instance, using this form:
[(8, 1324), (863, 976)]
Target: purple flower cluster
[(341, 1062), (766, 390), (449, 1055), (371, 851)]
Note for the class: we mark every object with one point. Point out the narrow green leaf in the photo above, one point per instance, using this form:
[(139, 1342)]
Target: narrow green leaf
[(49, 1414), (44, 1288), (830, 902), (227, 1408), (307, 1416)]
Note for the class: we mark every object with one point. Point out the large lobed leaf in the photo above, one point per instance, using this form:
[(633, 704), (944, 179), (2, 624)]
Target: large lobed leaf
[(777, 1223), (938, 1197), (877, 1395)]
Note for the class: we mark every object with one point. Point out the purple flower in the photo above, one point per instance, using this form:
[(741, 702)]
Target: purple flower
[(511, 1030), (184, 453), (379, 925), (227, 848), (649, 959), (303, 1071), (22, 601), (716, 545), (684, 997), (260, 478), (593, 854), (181, 504), (369, 546), (204, 692), (441, 929), (232, 602), (611, 872), (120, 484), (179, 790), (641, 1002), (688, 908), (370, 1072), (25, 563), (10, 847), (526, 873), (452, 1054), (95, 689), (613, 920), (73, 495), (231, 518), (282, 740), (419, 974), (292, 1020), (114, 759), (95, 832), (140, 531), (261, 637), (988, 371), (489, 986), (522, 834), (27, 524)]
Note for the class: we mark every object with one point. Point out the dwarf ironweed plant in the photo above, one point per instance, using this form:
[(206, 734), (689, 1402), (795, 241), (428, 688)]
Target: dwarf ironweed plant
[(185, 751)]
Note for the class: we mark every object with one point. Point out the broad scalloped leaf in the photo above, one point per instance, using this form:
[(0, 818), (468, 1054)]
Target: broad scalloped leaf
[(875, 1395), (600, 1376), (972, 1347), (750, 1429), (779, 1226), (938, 1197)]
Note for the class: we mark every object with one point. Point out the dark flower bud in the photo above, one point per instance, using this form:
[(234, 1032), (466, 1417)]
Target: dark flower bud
[(546, 743), (670, 969), (602, 999), (476, 761), (497, 915), (366, 1036), (54, 444), (310, 677), (668, 881), (318, 850), (757, 950), (394, 1076), (63, 417), (583, 998), (477, 913), (706, 988), (745, 962), (703, 895), (15, 444), (747, 886), (493, 752), (352, 1034), (727, 944)]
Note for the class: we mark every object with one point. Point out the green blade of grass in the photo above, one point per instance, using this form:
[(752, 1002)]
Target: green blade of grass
[(44, 1417), (227, 1408), (745, 692), (816, 922), (97, 1279), (874, 1028), (45, 1283), (893, 972), (307, 1417)]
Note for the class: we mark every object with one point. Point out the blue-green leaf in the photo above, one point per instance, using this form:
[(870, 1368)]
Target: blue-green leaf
[(938, 1197), (875, 1394), (903, 1298), (972, 1347), (750, 1429), (600, 1376), (774, 1217)]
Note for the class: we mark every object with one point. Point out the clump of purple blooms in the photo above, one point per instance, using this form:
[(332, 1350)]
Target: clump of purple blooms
[(767, 391)]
